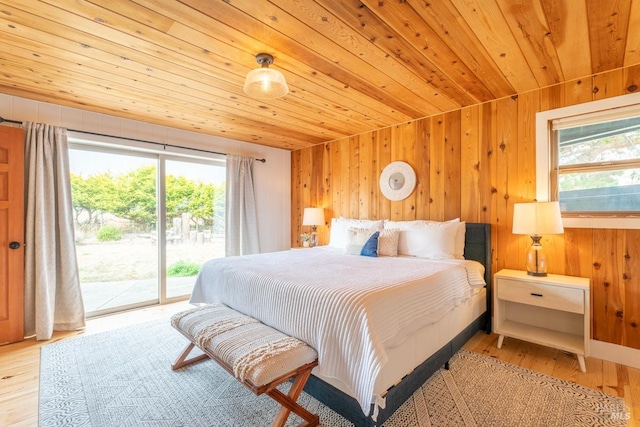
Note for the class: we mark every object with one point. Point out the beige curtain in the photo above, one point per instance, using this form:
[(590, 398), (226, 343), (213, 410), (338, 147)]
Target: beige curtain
[(53, 299), (241, 228)]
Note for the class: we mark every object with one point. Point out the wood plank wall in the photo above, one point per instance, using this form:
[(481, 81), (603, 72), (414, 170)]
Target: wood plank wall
[(475, 163)]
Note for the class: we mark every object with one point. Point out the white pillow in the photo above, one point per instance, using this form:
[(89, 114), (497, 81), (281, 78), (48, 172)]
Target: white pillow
[(433, 240), (356, 238), (408, 247), (340, 226), (388, 242), (461, 235), (403, 226)]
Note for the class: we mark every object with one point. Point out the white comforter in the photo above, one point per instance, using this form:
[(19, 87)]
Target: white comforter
[(349, 308)]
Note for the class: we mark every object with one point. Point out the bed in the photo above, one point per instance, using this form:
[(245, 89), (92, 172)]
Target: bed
[(380, 333)]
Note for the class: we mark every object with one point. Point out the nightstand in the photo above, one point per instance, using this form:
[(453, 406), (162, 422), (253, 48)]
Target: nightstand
[(552, 311)]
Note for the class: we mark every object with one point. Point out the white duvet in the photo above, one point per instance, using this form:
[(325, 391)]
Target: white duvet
[(348, 307)]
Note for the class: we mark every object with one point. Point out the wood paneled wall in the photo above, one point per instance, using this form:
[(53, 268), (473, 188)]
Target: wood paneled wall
[(475, 163)]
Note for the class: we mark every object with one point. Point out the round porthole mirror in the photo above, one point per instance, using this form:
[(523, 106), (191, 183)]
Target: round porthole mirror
[(397, 181)]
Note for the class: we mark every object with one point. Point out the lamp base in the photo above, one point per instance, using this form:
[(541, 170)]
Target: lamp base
[(537, 274), (536, 258)]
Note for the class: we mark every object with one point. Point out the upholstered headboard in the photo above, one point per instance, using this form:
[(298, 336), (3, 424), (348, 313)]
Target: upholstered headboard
[(478, 248)]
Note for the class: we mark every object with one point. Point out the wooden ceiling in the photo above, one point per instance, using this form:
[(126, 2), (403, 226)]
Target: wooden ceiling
[(351, 65)]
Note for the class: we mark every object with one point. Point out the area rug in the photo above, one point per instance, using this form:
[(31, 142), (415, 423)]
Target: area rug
[(124, 378)]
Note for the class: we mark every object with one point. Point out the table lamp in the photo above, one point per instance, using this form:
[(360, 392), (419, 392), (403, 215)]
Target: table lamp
[(313, 217), (537, 219)]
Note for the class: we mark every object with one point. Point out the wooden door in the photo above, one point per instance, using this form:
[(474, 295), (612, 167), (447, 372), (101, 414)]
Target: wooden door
[(11, 234)]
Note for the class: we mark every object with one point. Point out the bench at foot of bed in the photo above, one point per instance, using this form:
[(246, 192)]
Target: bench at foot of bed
[(257, 355)]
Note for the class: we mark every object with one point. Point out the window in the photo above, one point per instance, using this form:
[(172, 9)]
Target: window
[(588, 158), (598, 166)]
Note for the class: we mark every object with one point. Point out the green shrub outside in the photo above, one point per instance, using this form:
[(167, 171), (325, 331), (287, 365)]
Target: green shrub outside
[(109, 233), (183, 269)]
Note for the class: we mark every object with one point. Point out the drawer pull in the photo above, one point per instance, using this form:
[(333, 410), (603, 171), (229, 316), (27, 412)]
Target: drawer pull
[(536, 295)]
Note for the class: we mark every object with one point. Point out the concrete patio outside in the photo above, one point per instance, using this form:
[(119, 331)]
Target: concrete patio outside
[(105, 295)]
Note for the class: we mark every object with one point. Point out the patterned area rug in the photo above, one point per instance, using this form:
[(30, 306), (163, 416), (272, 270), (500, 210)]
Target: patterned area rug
[(123, 378)]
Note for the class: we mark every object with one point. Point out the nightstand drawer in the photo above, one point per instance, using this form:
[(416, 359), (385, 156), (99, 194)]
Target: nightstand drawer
[(554, 297)]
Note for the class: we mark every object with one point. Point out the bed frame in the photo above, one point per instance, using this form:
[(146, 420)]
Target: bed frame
[(477, 248)]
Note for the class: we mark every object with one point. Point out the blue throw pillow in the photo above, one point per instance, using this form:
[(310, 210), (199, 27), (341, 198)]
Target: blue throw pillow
[(371, 247)]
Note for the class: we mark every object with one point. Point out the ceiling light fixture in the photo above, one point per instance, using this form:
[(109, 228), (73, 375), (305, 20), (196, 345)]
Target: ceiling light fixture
[(265, 82)]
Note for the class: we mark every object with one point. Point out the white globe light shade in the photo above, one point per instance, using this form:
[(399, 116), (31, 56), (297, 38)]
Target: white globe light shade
[(265, 83)]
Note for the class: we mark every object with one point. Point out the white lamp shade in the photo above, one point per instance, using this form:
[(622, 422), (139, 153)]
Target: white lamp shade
[(313, 216), (265, 83), (537, 218)]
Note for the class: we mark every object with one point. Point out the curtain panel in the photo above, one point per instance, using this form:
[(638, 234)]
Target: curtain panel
[(53, 299), (241, 224)]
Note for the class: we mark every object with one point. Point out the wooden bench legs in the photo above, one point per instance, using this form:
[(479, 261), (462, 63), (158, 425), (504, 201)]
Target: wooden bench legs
[(288, 401), (182, 361)]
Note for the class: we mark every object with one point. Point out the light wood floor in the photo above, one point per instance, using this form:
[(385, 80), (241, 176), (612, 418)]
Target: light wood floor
[(20, 366)]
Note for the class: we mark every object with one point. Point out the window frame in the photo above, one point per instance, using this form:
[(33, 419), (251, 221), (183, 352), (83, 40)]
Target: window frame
[(546, 183)]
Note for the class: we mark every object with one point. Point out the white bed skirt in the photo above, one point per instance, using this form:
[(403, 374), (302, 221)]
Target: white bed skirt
[(418, 347)]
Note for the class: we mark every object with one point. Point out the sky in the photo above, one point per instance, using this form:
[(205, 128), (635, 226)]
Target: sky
[(87, 163)]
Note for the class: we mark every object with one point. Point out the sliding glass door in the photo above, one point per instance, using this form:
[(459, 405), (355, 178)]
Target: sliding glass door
[(195, 208), (144, 224)]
